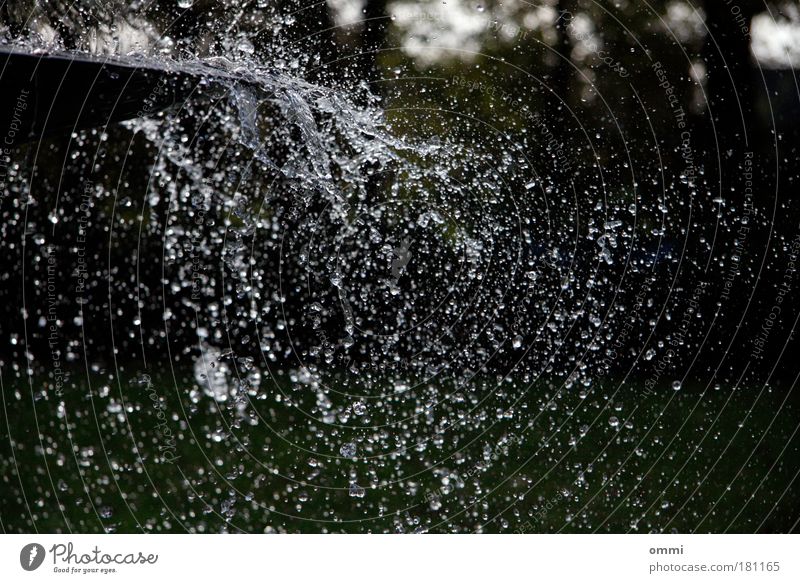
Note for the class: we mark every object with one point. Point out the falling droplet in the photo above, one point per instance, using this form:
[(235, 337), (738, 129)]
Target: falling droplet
[(348, 450), (356, 491)]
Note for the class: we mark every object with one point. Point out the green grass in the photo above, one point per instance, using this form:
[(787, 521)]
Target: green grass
[(708, 463)]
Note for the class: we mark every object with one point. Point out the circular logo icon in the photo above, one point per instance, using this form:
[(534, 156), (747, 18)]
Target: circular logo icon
[(31, 556)]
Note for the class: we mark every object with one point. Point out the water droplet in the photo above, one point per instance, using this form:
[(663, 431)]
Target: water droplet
[(356, 491), (400, 387), (348, 450), (245, 46)]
